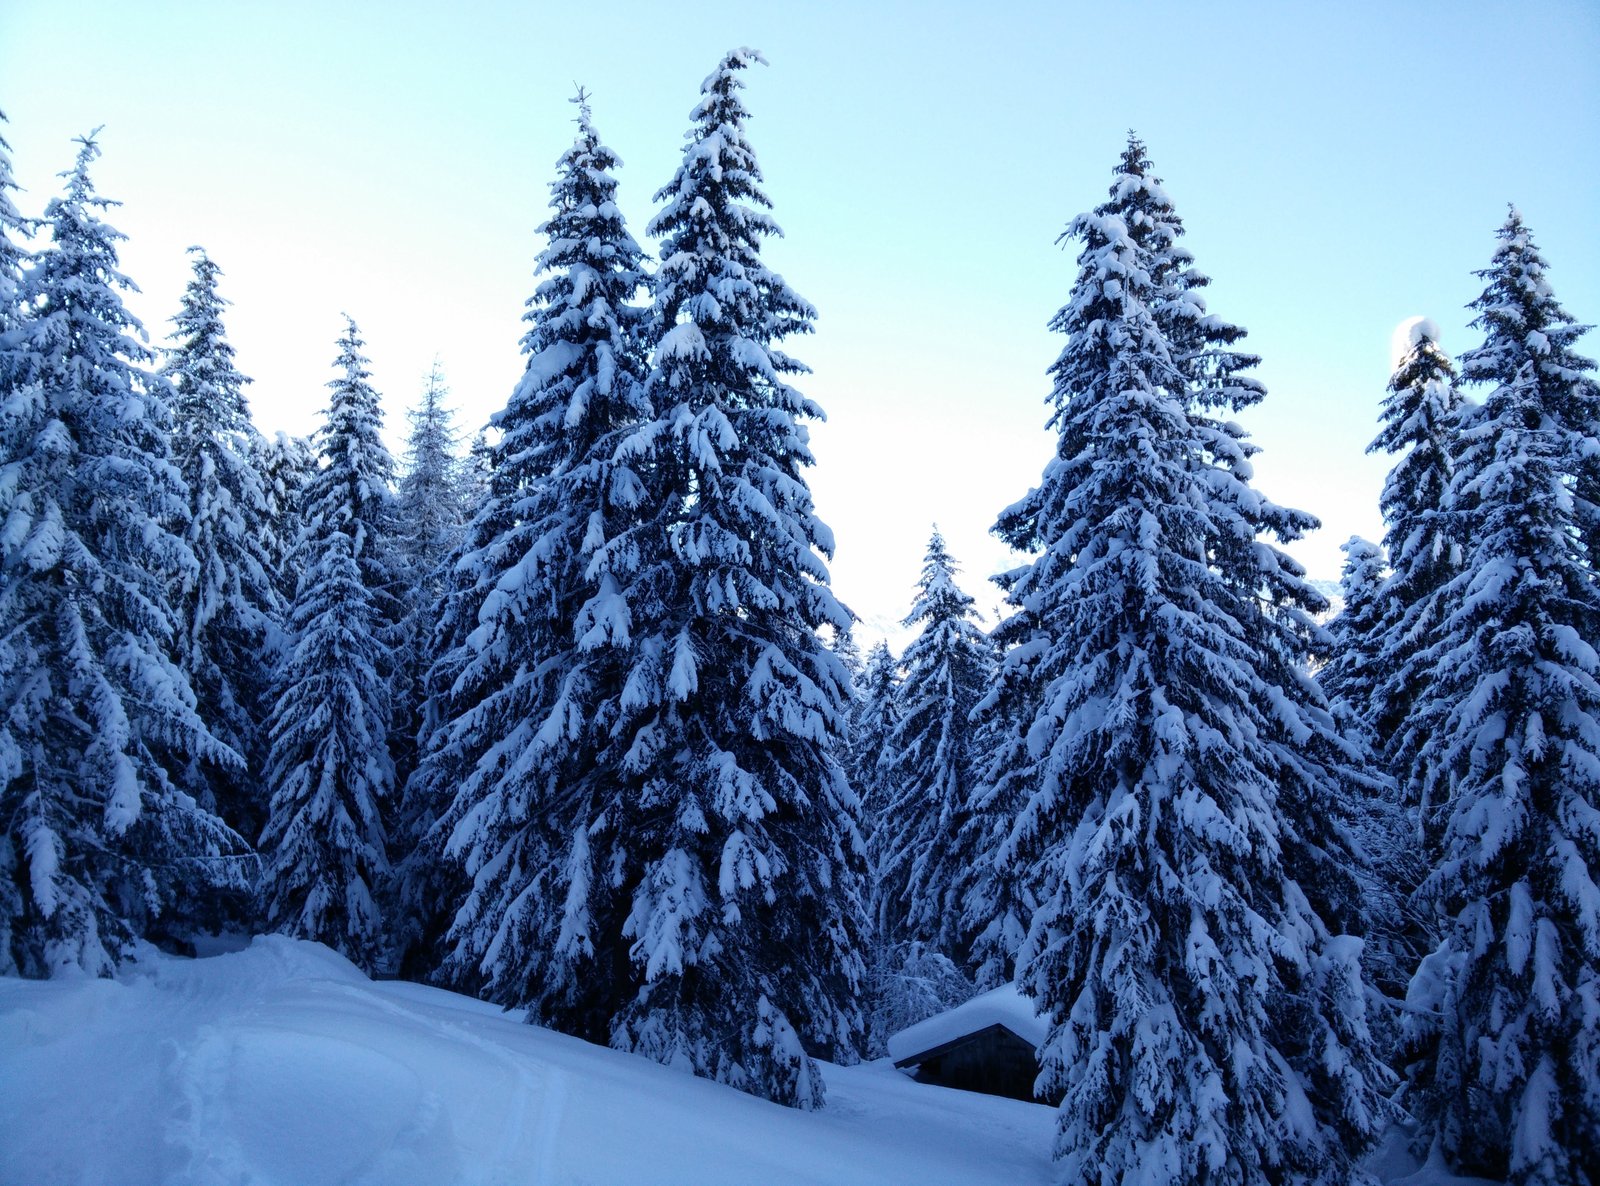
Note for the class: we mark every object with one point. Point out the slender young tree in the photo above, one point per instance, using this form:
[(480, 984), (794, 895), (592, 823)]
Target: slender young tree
[(329, 770), (1420, 413), (915, 856), (543, 668), (843, 644), (230, 615), (1506, 1081), (740, 851), (1354, 668), (352, 489), (430, 511), (872, 724), (430, 884), (286, 464), (1208, 1021), (100, 848)]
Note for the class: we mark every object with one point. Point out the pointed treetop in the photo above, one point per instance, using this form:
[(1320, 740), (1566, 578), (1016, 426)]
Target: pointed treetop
[(79, 186), (1135, 156), (350, 357), (1520, 305), (206, 270), (588, 139)]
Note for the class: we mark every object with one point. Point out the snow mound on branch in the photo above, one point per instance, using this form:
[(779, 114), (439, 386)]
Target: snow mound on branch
[(1424, 329), (1407, 334)]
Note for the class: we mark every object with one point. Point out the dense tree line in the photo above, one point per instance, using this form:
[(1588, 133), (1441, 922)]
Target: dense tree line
[(577, 724)]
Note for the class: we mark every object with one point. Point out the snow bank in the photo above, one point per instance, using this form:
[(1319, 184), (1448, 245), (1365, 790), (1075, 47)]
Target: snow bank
[(1000, 1006), (283, 1064)]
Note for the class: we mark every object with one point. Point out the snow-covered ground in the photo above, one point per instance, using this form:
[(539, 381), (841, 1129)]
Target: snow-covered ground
[(284, 1064)]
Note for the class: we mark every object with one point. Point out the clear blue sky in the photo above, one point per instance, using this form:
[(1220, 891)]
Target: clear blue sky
[(1340, 167)]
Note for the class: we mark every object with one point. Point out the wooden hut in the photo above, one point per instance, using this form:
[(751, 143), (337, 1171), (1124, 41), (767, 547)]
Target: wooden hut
[(989, 1044)]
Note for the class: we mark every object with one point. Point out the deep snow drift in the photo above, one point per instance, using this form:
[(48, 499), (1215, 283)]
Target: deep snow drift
[(284, 1064)]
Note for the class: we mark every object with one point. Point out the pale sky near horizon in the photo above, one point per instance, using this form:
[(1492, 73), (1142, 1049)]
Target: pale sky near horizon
[(1339, 168)]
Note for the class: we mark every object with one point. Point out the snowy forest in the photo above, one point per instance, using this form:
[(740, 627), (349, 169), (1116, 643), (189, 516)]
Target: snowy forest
[(563, 714)]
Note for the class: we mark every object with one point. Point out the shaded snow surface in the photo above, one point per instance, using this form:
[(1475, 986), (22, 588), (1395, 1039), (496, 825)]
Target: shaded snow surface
[(284, 1064)]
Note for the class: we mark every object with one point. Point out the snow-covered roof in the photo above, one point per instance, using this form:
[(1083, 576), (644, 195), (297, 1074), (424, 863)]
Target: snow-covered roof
[(1000, 1006)]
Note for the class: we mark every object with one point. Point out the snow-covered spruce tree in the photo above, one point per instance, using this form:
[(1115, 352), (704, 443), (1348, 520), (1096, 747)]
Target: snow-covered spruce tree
[(1207, 1023), (906, 980), (914, 854), (429, 885), (532, 823), (1354, 669), (914, 831), (1200, 343), (329, 768), (739, 844), (873, 721), (1420, 412), (1506, 1011), (100, 848), (230, 615), (1526, 328), (430, 511), (1338, 789), (1201, 348), (352, 490), (286, 464)]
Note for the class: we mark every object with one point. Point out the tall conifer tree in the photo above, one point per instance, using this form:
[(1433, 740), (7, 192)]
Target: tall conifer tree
[(430, 511), (1420, 413), (743, 854), (329, 770), (230, 613), (542, 671), (100, 847), (13, 229), (352, 490), (1506, 1010), (916, 854), (1208, 1022), (324, 846)]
